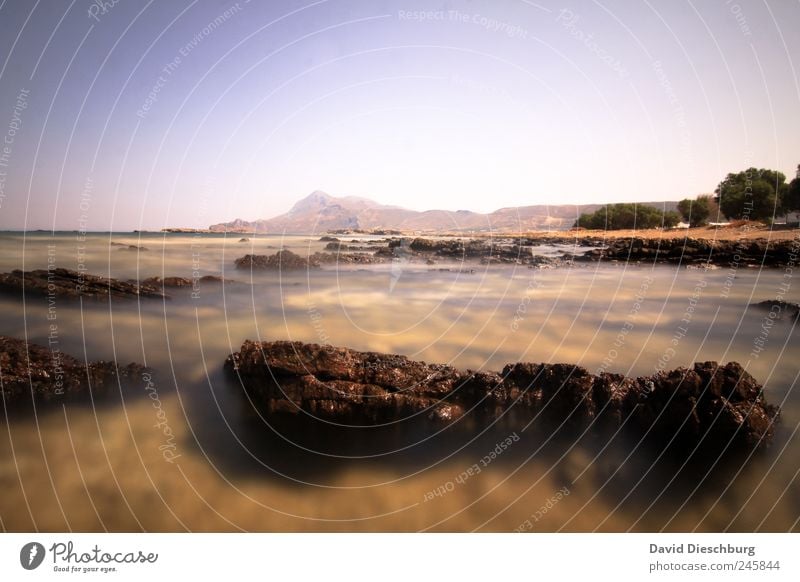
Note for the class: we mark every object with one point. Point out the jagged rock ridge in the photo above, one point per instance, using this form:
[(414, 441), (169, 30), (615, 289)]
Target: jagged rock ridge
[(709, 403)]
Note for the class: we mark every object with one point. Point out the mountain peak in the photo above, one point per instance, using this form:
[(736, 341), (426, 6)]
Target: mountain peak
[(320, 212), (314, 202)]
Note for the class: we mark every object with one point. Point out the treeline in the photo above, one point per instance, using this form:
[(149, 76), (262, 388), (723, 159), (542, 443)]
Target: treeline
[(753, 194), (628, 215)]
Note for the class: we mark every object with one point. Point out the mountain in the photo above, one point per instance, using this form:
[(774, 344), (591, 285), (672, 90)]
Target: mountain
[(320, 212)]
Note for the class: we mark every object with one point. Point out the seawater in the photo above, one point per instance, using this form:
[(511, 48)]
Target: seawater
[(103, 467)]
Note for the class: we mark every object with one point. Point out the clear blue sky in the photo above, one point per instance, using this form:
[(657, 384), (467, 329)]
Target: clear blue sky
[(473, 105)]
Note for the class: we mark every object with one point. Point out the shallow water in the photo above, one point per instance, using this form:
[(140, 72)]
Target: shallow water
[(85, 468)]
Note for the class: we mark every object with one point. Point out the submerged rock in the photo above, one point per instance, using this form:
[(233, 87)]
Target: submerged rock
[(707, 404), (751, 253), (288, 261), (779, 309), (34, 373), (73, 284), (179, 281), (284, 259)]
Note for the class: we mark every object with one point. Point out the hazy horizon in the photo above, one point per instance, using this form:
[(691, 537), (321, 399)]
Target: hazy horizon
[(143, 117)]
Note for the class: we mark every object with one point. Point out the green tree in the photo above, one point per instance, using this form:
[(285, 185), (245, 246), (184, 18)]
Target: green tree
[(695, 212), (791, 202), (626, 215), (754, 194)]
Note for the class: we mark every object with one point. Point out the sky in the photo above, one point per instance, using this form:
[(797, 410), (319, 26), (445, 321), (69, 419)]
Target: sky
[(136, 114)]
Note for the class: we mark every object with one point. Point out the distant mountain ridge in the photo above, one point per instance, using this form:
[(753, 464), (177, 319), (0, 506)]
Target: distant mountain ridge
[(320, 212)]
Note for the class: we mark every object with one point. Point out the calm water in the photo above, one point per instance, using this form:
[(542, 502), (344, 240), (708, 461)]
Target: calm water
[(84, 468)]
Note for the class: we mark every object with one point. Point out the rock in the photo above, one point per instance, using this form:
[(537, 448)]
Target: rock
[(127, 247), (166, 282), (244, 239), (31, 371), (284, 259), (73, 284), (747, 253), (329, 239), (779, 309), (178, 281), (342, 258), (707, 404)]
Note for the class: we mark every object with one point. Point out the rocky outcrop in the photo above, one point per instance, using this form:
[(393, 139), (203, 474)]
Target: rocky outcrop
[(288, 261), (73, 284), (753, 252), (708, 403), (694, 253), (284, 260), (155, 282), (778, 309), (34, 373)]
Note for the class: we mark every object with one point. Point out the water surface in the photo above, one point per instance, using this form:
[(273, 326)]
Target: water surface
[(103, 467)]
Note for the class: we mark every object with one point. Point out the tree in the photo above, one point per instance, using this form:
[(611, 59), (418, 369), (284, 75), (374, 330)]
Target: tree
[(695, 212), (754, 194), (791, 202), (620, 216)]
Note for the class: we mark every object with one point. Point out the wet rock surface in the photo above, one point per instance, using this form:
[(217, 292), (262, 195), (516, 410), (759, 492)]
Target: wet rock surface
[(65, 283), (778, 309), (537, 251), (33, 373), (707, 405), (155, 282), (755, 252), (284, 259)]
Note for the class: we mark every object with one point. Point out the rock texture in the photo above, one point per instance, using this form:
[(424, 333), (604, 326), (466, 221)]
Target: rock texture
[(534, 252), (778, 309), (754, 252), (73, 284), (707, 404), (284, 260), (156, 282), (31, 372)]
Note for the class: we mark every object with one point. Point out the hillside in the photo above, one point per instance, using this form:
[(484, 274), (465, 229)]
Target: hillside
[(320, 212)]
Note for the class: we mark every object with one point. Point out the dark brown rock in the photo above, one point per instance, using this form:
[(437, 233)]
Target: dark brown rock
[(284, 259), (73, 284), (34, 373), (707, 404), (689, 251)]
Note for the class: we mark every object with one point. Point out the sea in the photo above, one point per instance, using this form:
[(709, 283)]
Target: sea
[(104, 467)]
